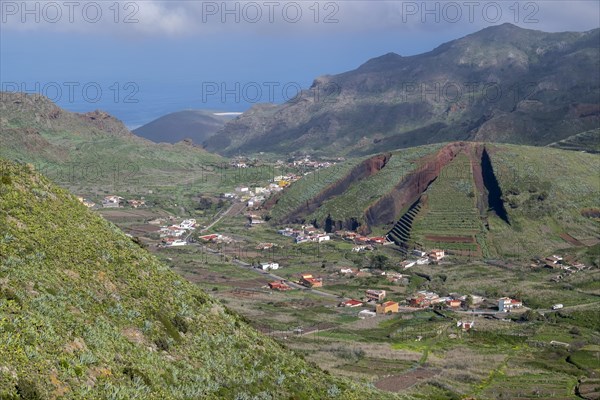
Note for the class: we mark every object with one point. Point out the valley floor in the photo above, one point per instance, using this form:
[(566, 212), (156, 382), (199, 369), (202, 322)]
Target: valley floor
[(535, 352)]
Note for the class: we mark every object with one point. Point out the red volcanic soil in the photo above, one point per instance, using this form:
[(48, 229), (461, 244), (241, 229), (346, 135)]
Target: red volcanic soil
[(408, 190), (397, 383), (450, 239), (361, 171), (570, 239)]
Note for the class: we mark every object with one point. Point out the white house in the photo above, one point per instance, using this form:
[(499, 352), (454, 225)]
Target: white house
[(418, 253), (507, 304), (178, 243), (242, 189), (188, 224), (323, 238), (423, 261), (267, 266)]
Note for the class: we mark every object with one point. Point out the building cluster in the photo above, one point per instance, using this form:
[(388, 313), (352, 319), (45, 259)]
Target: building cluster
[(215, 238), (256, 196), (373, 296), (307, 233), (557, 262), (420, 257), (171, 234), (114, 201), (423, 299), (306, 162), (362, 243)]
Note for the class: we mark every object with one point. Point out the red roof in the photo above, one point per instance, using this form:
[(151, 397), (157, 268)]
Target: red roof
[(209, 237), (352, 303)]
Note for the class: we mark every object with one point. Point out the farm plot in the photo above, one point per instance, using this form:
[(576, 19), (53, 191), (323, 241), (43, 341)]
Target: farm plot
[(450, 218)]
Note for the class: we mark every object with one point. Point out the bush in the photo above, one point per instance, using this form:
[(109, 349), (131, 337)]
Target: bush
[(162, 343), (180, 323), (28, 390)]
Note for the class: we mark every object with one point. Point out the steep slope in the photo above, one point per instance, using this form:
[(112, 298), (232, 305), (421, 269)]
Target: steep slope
[(85, 313), (197, 125), (92, 149), (585, 141), (502, 84), (470, 198)]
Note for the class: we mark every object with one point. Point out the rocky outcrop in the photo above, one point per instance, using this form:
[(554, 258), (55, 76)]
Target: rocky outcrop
[(34, 110), (105, 122), (362, 171), (387, 209)]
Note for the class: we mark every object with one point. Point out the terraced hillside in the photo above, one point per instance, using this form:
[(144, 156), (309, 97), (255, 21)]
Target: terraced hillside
[(450, 218), (586, 141), (85, 313), (468, 198)]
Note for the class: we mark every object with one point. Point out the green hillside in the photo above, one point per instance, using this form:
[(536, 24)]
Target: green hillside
[(93, 151), (584, 141), (87, 314), (439, 196)]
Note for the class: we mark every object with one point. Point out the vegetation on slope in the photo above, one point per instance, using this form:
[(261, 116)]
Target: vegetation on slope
[(549, 193), (493, 85), (86, 313), (93, 149), (550, 197), (364, 193)]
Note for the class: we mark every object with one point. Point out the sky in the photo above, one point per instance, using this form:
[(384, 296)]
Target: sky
[(139, 60)]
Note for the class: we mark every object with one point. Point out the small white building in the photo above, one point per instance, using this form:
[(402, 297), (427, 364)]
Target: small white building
[(418, 253), (188, 224), (269, 266), (323, 238)]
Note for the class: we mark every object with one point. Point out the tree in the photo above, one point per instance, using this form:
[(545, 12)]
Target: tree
[(469, 301), (379, 261)]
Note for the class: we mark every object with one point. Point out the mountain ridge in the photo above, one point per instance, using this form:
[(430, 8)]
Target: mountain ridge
[(527, 87)]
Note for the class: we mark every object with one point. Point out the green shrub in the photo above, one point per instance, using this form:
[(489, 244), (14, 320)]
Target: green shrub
[(180, 323), (28, 390), (162, 343)]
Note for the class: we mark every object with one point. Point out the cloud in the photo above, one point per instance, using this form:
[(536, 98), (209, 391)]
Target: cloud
[(194, 18)]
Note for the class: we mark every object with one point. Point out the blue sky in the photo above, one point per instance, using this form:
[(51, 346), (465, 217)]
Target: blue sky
[(167, 53)]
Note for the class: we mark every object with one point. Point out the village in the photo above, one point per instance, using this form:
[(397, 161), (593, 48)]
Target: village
[(303, 285)]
